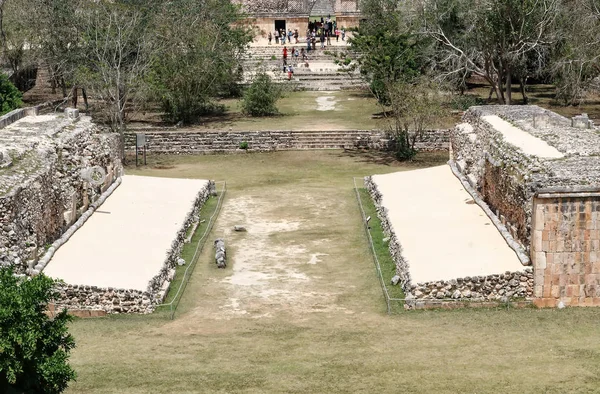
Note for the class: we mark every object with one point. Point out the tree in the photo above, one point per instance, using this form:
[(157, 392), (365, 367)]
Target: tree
[(415, 106), (119, 48), (204, 42), (56, 38), (34, 349), (496, 40), (576, 57), (387, 48), (261, 96), (10, 96)]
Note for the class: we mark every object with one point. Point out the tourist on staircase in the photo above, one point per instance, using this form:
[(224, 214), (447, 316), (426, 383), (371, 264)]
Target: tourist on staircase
[(270, 37), (285, 53), (276, 36)]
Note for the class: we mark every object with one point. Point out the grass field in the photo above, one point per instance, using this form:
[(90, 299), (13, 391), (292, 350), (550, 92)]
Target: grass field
[(299, 308), (351, 110)]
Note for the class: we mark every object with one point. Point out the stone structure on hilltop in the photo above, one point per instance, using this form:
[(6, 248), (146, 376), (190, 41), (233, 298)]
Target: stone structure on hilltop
[(269, 15), (42, 191), (539, 173)]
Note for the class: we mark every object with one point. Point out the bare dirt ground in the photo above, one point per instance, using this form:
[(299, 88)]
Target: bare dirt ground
[(299, 308)]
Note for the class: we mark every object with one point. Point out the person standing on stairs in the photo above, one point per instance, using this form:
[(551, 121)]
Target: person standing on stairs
[(270, 37), (276, 36), (285, 53)]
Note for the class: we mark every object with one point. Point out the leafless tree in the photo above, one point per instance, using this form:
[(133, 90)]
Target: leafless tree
[(118, 52), (489, 38)]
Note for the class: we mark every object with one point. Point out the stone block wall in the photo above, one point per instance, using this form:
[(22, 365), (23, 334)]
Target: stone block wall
[(212, 142), (45, 193), (566, 249), (501, 174)]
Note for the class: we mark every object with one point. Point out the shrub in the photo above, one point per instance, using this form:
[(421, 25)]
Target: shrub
[(34, 348), (261, 96), (10, 96), (244, 145)]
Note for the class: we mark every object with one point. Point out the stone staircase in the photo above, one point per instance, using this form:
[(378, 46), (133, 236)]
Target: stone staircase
[(319, 72)]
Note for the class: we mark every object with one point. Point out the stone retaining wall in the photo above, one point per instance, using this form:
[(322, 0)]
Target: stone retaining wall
[(480, 289), (111, 300), (43, 190), (212, 142)]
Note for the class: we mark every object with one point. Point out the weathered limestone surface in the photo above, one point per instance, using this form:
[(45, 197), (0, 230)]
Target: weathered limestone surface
[(549, 200), (110, 300), (506, 176), (211, 142), (503, 287), (41, 191)]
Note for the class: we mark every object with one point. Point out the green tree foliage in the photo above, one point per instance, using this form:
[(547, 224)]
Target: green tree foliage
[(203, 43), (387, 48), (261, 96), (10, 96), (34, 349)]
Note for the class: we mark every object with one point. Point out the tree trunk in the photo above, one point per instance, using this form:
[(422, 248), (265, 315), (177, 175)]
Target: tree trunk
[(63, 86), (85, 99), (52, 79), (74, 92), (522, 82), (508, 87), (490, 95)]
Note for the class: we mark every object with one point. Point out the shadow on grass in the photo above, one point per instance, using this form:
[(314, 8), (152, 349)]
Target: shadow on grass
[(387, 158)]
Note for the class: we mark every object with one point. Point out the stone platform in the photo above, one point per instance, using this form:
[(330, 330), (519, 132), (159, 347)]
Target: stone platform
[(125, 242), (443, 233), (123, 258)]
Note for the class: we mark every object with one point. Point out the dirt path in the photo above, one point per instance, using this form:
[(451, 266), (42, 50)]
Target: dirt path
[(285, 263)]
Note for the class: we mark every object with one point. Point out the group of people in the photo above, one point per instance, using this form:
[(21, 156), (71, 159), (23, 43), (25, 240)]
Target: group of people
[(323, 30), (294, 54), (281, 36)]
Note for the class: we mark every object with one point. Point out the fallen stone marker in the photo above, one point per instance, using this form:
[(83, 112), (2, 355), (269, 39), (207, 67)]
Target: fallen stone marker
[(239, 228), (180, 261), (220, 253), (395, 280)]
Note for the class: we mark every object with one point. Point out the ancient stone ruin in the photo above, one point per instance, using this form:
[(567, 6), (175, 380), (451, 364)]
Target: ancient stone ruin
[(536, 175), (41, 190), (539, 173)]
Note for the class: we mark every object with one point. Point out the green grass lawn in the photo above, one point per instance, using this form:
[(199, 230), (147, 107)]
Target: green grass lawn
[(357, 110), (298, 111), (300, 310)]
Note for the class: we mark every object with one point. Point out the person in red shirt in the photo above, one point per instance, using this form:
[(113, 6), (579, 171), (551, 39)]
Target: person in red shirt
[(285, 55)]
